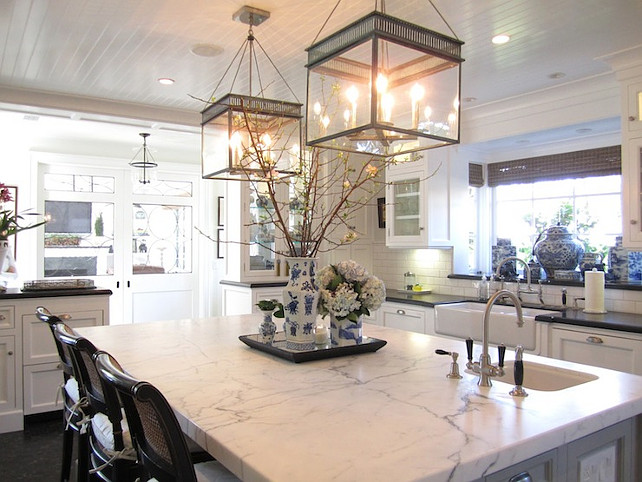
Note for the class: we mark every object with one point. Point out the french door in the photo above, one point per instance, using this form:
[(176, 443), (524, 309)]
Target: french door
[(135, 239)]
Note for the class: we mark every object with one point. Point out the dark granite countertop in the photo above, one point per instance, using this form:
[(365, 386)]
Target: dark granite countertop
[(254, 284), (611, 320), (422, 299), (616, 321), (16, 293)]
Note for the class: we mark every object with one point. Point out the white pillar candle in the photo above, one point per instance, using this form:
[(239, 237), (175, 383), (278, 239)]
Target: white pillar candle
[(321, 334), (594, 291)]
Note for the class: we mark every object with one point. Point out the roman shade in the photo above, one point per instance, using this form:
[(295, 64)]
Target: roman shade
[(603, 161)]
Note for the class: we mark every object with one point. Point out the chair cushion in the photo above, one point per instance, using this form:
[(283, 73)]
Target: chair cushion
[(213, 471), (71, 388), (104, 432)]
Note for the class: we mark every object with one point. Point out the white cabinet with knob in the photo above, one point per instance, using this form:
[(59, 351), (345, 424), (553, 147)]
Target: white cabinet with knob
[(418, 203), (616, 350), (403, 317), (30, 373)]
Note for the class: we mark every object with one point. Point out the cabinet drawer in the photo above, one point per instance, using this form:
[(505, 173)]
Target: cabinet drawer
[(403, 318), (38, 344), (598, 348), (41, 388), (7, 317)]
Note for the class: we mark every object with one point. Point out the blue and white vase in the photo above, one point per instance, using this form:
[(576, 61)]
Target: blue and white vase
[(300, 298), (345, 332), (558, 250), (267, 328)]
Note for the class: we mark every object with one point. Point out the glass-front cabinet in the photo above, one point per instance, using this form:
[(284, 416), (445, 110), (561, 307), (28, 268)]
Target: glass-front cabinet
[(405, 208), (251, 237)]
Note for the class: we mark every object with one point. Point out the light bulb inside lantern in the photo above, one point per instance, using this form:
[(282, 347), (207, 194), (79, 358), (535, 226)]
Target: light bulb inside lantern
[(352, 93), (387, 102), (316, 108), (235, 148)]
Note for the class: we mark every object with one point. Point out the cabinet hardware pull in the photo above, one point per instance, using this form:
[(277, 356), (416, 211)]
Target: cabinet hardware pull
[(9, 353), (401, 312), (594, 339), (2, 317), (631, 118), (633, 221)]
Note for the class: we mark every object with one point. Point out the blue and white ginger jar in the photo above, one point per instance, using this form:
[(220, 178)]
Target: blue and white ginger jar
[(558, 250)]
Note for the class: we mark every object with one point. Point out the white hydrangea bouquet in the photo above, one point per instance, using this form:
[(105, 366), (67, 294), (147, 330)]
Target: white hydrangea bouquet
[(348, 291)]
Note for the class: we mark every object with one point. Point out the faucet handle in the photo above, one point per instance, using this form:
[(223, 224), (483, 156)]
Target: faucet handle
[(519, 365), (502, 351), (469, 349)]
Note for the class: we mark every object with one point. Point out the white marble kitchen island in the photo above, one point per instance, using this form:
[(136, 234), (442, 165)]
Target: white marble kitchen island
[(389, 415)]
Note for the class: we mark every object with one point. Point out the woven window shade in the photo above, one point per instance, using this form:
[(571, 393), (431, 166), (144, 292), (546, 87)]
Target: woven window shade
[(603, 161), (475, 175)]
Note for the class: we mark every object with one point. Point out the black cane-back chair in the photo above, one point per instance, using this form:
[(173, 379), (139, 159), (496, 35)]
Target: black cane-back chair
[(161, 446), (76, 410), (112, 455)]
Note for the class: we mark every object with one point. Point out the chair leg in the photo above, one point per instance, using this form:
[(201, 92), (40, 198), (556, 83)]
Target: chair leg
[(83, 457), (67, 453)]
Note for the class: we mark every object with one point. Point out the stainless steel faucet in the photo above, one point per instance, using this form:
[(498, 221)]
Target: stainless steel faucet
[(527, 270), (484, 367)]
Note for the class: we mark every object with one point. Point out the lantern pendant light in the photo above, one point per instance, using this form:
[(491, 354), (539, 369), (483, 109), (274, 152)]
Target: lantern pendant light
[(144, 173), (250, 138), (385, 87)]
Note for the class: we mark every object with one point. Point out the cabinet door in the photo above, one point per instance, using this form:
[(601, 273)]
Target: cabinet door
[(598, 348), (41, 386), (632, 192), (403, 318), (634, 98), (38, 344), (405, 210), (8, 394)]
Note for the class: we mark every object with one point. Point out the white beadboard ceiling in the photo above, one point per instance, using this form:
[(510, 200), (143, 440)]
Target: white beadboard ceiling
[(105, 56)]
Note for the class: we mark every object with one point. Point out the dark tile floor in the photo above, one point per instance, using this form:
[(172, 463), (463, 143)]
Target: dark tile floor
[(34, 454)]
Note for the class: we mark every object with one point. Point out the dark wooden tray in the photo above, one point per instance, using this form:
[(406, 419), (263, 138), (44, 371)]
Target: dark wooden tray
[(319, 352)]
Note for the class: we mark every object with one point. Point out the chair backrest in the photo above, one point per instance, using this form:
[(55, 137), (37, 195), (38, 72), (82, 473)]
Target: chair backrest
[(161, 445), (102, 398), (43, 314)]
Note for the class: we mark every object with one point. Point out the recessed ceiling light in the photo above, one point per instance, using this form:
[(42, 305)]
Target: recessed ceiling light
[(500, 39), (557, 75), (165, 81), (206, 50)]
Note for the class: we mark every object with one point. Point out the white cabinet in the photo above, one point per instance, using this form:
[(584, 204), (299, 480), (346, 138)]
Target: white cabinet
[(250, 239), (30, 375), (418, 203), (632, 192), (403, 317), (241, 299), (633, 113), (616, 350)]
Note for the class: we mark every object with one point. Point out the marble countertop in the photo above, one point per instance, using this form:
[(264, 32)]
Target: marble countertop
[(389, 415)]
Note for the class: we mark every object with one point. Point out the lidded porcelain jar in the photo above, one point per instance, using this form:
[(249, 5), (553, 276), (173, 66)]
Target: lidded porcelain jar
[(558, 250)]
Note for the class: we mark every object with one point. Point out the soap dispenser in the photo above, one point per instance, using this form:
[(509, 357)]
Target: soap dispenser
[(484, 289)]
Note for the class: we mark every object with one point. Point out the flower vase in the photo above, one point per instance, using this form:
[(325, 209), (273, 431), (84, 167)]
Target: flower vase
[(7, 262), (300, 297), (345, 332), (267, 328)]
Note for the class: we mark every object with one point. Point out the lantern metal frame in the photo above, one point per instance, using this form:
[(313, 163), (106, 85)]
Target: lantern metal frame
[(146, 163), (251, 118), (426, 54)]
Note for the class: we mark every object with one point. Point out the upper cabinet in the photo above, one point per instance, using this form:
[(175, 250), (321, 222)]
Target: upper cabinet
[(251, 242), (418, 203), (633, 100)]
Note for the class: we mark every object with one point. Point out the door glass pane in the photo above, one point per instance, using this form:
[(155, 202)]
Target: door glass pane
[(161, 239), (79, 183), (406, 208), (262, 239), (79, 238), (164, 188)]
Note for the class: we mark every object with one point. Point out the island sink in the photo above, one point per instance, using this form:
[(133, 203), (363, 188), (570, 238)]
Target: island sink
[(464, 320), (546, 378)]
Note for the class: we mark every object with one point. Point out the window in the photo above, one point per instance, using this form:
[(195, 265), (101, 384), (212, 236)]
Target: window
[(589, 207)]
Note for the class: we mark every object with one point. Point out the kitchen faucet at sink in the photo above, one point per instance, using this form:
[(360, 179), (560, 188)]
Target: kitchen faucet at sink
[(484, 366), (529, 289)]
